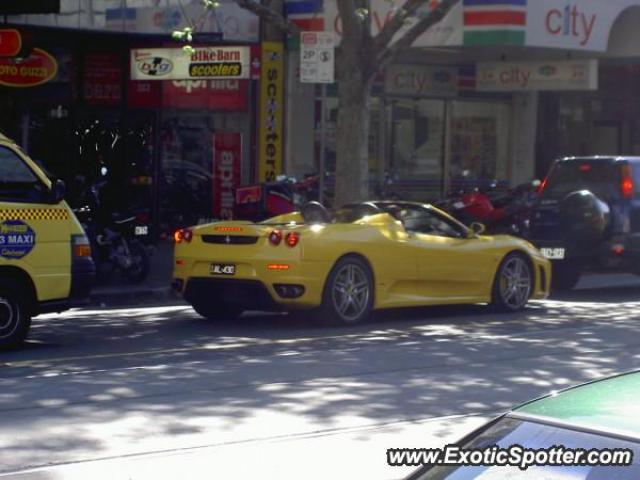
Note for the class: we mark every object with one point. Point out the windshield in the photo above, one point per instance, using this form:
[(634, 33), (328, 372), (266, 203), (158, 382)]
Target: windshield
[(600, 177), (509, 431)]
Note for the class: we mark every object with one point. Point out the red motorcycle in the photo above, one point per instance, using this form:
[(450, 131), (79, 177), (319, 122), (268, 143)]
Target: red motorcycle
[(507, 213)]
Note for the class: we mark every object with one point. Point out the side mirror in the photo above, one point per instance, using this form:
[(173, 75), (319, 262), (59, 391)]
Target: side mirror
[(58, 190), (477, 229)]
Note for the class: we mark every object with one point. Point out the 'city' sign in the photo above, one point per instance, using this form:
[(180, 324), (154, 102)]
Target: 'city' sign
[(202, 63), (530, 76), (38, 68)]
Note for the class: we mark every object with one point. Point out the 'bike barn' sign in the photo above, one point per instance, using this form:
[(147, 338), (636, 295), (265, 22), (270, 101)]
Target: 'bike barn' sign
[(203, 63)]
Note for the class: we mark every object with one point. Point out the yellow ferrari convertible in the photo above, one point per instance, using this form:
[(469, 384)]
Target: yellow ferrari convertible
[(363, 257)]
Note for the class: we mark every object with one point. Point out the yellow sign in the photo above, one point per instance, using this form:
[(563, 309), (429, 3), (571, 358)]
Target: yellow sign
[(271, 112)]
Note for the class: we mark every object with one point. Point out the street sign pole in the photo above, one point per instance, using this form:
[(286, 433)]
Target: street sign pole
[(317, 64), (322, 166)]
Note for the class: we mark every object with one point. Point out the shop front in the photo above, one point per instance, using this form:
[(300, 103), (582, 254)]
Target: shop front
[(170, 151)]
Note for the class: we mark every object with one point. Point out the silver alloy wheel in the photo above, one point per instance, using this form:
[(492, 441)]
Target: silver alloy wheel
[(351, 292), (515, 283), (8, 318)]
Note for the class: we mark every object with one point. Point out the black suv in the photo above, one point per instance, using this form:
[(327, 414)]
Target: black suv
[(588, 217)]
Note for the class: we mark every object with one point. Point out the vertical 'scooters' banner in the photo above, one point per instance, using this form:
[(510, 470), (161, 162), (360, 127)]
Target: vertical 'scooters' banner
[(227, 157), (271, 112)]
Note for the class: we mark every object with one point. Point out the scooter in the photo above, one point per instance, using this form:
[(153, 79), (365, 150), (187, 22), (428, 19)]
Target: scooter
[(115, 240)]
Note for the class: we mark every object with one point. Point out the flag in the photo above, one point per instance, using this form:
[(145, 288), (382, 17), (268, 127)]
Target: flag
[(308, 15), (495, 22)]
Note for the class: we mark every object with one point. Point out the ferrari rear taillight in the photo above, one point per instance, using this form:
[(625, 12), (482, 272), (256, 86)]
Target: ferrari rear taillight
[(626, 186), (184, 235), (275, 237), (292, 239)]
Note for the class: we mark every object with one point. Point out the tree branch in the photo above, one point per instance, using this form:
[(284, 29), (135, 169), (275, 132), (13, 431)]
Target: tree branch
[(269, 15), (395, 24), (389, 53)]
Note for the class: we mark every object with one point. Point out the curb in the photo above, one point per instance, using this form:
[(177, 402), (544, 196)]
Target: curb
[(161, 296)]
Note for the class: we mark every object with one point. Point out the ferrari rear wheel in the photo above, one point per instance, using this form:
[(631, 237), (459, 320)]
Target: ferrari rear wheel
[(217, 312), (513, 284), (348, 293)]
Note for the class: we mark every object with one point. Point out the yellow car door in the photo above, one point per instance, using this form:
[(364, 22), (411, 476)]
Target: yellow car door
[(34, 231), (451, 263)]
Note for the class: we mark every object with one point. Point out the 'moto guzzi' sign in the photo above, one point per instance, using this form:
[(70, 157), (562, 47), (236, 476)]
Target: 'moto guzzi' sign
[(202, 63), (38, 68)]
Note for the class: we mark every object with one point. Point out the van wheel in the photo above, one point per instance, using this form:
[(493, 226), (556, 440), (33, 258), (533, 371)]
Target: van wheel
[(15, 316), (217, 312)]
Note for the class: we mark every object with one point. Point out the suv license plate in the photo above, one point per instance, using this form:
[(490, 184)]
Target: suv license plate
[(222, 269), (142, 230), (553, 253)]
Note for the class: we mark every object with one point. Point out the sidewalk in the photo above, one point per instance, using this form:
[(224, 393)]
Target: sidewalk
[(155, 290)]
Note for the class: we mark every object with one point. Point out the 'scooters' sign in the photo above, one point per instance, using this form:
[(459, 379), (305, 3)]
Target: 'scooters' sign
[(203, 63)]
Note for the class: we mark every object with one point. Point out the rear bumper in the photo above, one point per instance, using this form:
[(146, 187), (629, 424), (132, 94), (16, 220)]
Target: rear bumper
[(616, 254), (249, 294)]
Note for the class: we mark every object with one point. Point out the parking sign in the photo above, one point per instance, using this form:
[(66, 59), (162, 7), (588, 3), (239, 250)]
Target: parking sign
[(317, 57)]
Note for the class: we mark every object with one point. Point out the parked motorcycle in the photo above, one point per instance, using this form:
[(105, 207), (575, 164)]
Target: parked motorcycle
[(116, 239), (501, 213), (269, 199)]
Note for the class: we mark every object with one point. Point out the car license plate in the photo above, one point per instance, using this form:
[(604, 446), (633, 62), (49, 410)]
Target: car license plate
[(142, 230), (553, 253), (222, 269)]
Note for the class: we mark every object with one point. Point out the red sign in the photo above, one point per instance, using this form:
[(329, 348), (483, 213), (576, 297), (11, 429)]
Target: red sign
[(225, 95), (227, 157), (39, 68), (248, 194), (102, 78), (10, 42)]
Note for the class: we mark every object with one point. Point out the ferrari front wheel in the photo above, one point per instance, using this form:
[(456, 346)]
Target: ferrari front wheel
[(513, 284), (348, 293)]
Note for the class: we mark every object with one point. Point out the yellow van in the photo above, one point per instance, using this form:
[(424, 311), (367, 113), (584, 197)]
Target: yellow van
[(45, 257)]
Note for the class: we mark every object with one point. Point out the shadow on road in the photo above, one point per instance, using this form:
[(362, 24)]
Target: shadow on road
[(166, 373)]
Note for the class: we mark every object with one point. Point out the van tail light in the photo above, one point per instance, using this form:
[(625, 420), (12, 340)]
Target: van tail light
[(81, 247), (292, 239), (626, 186), (275, 237), (184, 235)]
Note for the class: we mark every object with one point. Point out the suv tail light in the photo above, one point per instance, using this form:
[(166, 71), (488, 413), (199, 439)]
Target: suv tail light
[(184, 235), (542, 185), (626, 185)]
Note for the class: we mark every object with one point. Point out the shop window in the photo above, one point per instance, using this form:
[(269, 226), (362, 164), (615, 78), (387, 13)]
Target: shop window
[(480, 141), (416, 143)]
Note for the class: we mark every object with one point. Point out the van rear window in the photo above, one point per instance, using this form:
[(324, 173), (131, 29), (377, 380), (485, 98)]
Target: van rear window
[(600, 177)]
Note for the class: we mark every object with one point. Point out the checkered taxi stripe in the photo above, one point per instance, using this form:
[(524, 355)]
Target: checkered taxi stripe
[(34, 214)]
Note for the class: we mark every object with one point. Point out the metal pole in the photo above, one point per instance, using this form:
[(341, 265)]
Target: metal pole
[(323, 110)]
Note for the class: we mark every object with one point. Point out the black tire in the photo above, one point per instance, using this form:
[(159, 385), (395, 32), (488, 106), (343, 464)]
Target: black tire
[(565, 276), (340, 307), (139, 269), (585, 219), (511, 294), (217, 312), (15, 315)]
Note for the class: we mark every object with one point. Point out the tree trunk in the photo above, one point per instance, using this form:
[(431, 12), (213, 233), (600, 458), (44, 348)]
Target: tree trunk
[(352, 162)]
